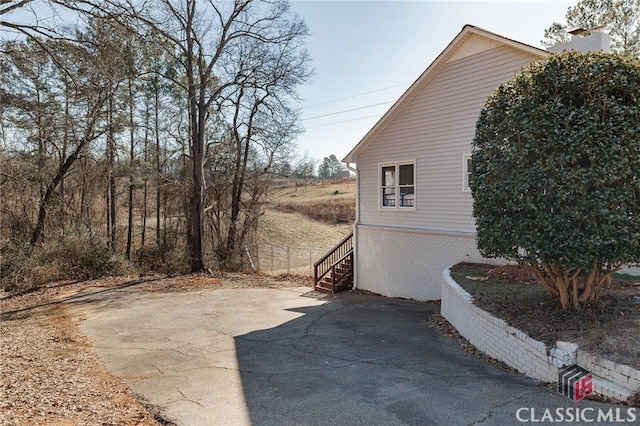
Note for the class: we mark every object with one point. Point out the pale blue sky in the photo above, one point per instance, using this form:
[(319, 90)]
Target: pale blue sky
[(382, 47)]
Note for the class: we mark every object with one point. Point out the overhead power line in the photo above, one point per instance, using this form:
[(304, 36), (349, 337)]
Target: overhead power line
[(354, 96), (347, 110), (343, 121)]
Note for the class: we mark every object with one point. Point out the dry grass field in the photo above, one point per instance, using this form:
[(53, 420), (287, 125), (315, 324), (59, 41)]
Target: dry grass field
[(300, 224), (316, 192)]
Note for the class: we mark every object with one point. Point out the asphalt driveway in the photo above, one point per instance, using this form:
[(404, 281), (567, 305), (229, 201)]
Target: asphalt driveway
[(295, 357)]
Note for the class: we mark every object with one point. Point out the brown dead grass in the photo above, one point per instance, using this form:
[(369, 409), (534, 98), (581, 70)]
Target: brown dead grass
[(316, 192), (331, 203), (332, 211), (296, 230)]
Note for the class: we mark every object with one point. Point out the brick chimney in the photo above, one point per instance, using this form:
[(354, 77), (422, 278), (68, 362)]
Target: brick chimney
[(583, 40)]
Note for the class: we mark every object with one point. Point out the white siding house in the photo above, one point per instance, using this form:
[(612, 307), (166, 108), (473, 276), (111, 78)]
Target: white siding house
[(414, 209)]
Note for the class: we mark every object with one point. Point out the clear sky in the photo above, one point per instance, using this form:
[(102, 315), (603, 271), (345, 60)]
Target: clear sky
[(381, 47)]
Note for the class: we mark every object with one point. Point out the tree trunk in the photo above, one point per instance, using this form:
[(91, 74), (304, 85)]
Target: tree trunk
[(146, 177), (36, 235), (197, 116), (573, 288), (131, 173), (84, 211), (236, 201), (111, 181), (197, 154), (65, 144), (156, 131)]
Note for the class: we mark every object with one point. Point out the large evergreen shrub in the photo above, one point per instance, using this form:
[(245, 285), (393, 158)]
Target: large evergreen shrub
[(556, 172)]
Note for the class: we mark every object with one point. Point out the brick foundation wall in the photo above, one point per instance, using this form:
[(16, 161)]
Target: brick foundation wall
[(408, 263)]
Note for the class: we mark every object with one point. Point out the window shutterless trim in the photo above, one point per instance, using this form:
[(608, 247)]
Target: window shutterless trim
[(466, 171)]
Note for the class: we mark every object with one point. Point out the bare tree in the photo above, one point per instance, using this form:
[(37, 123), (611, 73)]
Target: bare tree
[(203, 37), (262, 126), (230, 69)]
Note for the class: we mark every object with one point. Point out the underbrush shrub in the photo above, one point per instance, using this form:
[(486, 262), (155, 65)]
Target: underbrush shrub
[(339, 210), (24, 268), (14, 266), (88, 258), (162, 260)]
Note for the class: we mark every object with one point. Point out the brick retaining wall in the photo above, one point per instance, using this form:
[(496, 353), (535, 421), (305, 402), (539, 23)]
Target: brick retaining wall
[(497, 339)]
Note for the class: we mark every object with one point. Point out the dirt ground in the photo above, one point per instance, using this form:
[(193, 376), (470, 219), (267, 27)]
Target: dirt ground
[(610, 328), (48, 372)]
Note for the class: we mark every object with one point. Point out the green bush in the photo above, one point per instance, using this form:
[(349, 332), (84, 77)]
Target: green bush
[(556, 172)]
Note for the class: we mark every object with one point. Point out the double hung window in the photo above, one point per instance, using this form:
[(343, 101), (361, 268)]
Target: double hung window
[(397, 186), (466, 172)]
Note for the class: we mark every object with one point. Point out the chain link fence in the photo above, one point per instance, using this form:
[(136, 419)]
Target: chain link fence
[(277, 259)]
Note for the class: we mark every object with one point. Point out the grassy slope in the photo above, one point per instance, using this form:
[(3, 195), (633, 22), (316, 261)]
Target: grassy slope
[(316, 193), (306, 238)]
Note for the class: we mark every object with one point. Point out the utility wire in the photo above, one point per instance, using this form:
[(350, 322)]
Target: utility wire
[(343, 121), (346, 110), (354, 96)]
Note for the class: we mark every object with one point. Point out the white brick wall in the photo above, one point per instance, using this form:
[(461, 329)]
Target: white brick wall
[(494, 337), (626, 380), (594, 42), (400, 262)]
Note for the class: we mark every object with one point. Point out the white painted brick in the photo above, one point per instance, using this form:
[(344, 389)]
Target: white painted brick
[(567, 346), (624, 381), (625, 370), (401, 275), (559, 363), (495, 338)]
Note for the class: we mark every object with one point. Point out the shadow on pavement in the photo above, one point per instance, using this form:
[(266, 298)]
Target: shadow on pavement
[(369, 360), (83, 297)]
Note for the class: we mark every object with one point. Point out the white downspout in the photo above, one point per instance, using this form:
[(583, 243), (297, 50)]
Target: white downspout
[(357, 222)]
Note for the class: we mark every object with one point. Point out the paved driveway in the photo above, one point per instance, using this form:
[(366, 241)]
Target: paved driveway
[(294, 357)]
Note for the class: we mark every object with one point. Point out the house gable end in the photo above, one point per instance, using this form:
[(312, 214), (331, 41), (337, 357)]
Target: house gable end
[(475, 43), (470, 41)]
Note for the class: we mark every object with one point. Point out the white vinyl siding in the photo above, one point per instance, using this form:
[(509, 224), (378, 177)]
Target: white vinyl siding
[(436, 128)]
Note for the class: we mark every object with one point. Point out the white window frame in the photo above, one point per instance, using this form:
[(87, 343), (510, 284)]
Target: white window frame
[(380, 187), (466, 173)]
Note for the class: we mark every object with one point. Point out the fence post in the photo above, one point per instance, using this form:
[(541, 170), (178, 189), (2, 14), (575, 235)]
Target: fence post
[(246, 249), (271, 258), (258, 257), (288, 260)]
